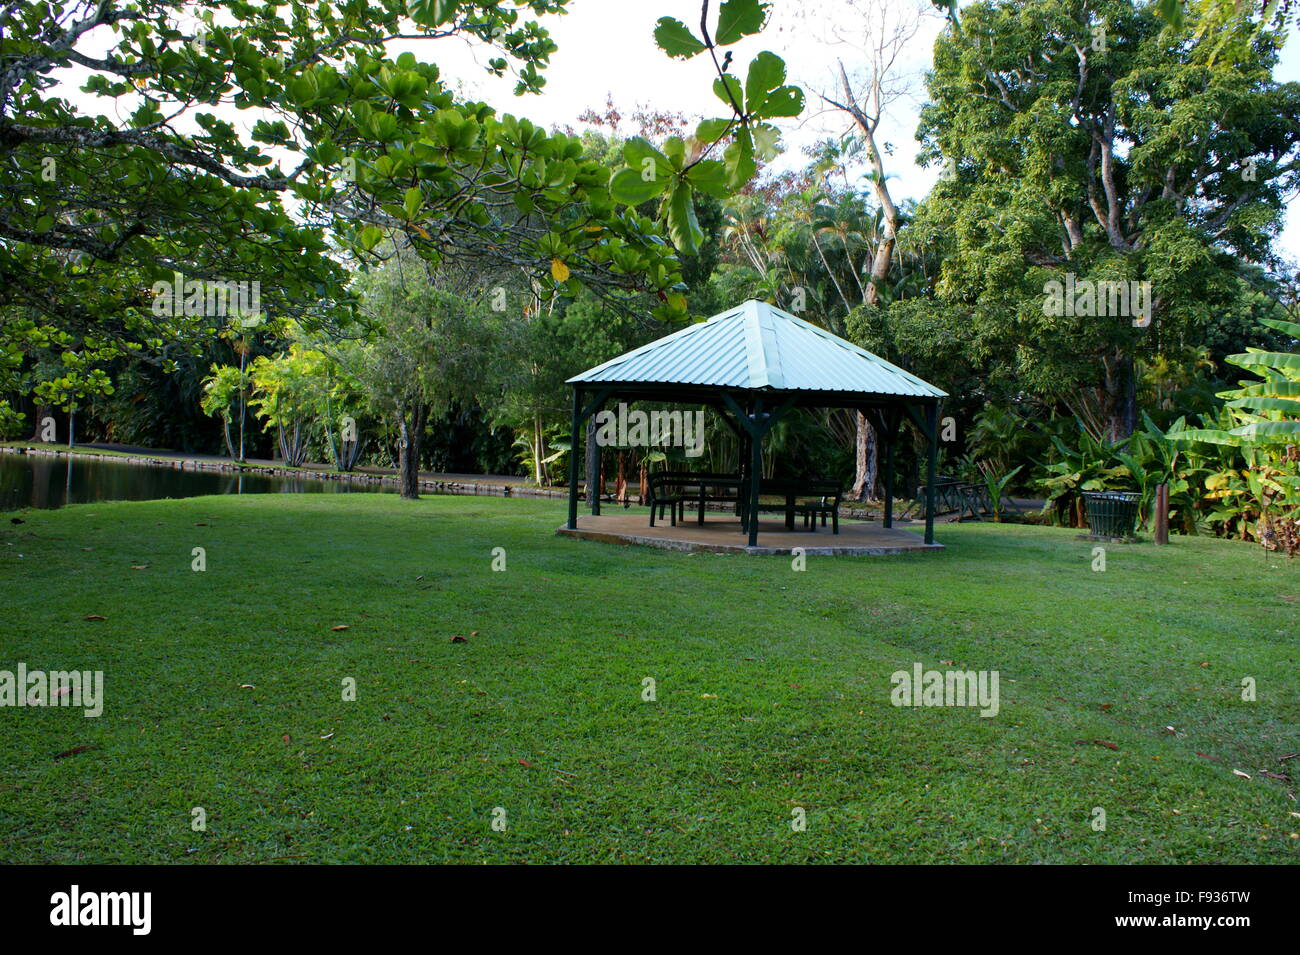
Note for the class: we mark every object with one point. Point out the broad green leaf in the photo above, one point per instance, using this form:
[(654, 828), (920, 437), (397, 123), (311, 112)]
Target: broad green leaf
[(412, 201), (637, 150), (739, 18), (1206, 435), (683, 228), (766, 73), (1282, 361), (369, 237), (1291, 328), (1280, 431), (630, 188), (710, 177), (673, 37), (1267, 403), (782, 101), (739, 158), (728, 89), (711, 130)]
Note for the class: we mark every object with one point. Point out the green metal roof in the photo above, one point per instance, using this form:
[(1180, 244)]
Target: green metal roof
[(758, 346)]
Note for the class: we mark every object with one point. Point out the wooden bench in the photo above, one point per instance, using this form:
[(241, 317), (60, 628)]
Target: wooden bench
[(828, 494), (675, 489)]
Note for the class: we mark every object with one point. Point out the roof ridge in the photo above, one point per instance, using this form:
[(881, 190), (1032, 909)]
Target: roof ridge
[(754, 346)]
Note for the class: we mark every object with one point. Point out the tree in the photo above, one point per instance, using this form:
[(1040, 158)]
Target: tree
[(427, 352), (1091, 142), (223, 395), (340, 144)]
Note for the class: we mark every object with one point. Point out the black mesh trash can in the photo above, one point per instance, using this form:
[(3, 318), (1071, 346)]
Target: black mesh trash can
[(1111, 513)]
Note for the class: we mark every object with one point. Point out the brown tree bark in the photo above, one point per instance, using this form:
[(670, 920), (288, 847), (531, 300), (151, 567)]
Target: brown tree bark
[(42, 412), (592, 462), (867, 461), (410, 426)]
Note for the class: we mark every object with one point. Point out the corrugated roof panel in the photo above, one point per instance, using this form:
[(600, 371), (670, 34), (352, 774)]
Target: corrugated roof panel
[(757, 345)]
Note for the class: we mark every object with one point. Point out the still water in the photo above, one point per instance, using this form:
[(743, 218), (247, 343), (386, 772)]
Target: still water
[(40, 480)]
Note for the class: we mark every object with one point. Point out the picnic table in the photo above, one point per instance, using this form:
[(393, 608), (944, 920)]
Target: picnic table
[(674, 490)]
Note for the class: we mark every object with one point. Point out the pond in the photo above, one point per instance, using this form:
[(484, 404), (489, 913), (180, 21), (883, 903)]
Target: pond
[(42, 480)]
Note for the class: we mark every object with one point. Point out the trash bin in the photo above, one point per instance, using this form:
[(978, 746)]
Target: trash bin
[(1111, 513)]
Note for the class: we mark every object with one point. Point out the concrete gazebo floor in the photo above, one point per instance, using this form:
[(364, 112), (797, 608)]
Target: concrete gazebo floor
[(720, 533)]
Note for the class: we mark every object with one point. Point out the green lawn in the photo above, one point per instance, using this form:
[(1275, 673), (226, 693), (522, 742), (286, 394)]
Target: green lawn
[(773, 692)]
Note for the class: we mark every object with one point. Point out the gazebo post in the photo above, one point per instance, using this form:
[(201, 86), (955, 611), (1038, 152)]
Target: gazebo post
[(890, 434), (932, 427), (755, 469), (573, 459)]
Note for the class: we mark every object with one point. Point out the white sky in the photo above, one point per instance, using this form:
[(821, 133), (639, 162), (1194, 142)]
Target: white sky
[(607, 47)]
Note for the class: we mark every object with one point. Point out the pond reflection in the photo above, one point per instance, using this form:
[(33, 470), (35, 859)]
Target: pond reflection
[(42, 480)]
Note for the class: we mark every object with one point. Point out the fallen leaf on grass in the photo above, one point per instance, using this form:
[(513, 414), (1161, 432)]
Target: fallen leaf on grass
[(342, 626), (95, 616), (1238, 772), (1106, 706), (1207, 756), (1271, 775), (85, 748), (247, 686), (526, 764), (139, 566), (1098, 742), (459, 639)]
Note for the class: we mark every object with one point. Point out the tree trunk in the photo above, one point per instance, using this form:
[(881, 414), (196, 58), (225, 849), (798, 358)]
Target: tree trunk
[(242, 401), (225, 426), (42, 412), (1121, 397), (620, 482), (593, 463), (410, 427), (864, 478), (539, 452)]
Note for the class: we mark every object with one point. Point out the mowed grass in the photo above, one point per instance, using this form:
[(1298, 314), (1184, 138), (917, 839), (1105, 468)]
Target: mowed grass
[(773, 693)]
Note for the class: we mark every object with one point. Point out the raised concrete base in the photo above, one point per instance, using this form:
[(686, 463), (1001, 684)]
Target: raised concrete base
[(720, 533)]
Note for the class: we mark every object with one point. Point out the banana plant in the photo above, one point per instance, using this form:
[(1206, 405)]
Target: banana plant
[(995, 484), (1075, 470), (1258, 492)]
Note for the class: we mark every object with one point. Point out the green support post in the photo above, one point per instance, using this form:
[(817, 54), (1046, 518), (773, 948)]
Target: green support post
[(573, 460), (890, 433), (755, 470), (932, 460)]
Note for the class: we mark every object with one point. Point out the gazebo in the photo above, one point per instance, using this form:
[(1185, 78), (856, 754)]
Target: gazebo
[(754, 363)]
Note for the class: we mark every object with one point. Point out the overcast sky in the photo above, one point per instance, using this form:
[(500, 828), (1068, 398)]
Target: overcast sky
[(606, 47)]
